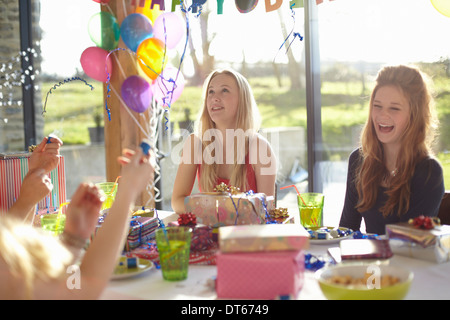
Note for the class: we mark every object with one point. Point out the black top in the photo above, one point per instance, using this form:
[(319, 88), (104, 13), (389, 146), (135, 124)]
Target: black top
[(427, 189)]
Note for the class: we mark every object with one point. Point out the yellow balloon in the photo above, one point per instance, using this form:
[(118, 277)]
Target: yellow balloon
[(443, 6), (150, 55), (152, 14)]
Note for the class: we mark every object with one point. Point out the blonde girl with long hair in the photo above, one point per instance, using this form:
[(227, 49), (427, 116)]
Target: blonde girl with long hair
[(393, 176), (227, 147)]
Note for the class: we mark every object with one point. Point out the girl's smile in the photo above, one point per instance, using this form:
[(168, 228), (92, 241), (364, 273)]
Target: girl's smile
[(390, 115)]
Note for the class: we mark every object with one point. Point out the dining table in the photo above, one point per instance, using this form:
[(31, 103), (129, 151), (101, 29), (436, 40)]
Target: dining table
[(431, 280)]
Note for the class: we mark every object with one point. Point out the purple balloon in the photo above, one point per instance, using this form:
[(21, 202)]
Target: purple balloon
[(136, 93)]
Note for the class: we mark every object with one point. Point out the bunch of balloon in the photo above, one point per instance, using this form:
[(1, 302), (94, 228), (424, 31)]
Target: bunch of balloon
[(104, 31), (150, 42), (148, 33), (167, 81)]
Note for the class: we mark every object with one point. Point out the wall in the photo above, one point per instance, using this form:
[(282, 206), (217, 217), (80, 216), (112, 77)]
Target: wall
[(11, 106)]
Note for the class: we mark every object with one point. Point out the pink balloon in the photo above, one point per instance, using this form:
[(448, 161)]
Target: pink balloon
[(101, 1), (136, 93), (174, 27), (168, 86), (96, 63)]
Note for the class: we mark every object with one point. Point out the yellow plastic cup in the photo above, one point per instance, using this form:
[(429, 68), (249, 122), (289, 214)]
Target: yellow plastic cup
[(53, 223), (174, 245), (110, 191), (310, 206)]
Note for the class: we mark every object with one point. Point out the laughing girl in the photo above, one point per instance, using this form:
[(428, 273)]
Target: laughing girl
[(393, 176)]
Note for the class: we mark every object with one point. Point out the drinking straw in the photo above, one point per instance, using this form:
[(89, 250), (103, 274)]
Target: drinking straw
[(162, 226), (115, 184), (60, 214), (298, 192)]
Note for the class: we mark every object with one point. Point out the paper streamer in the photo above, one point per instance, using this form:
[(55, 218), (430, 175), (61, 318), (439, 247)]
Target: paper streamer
[(60, 84), (296, 34)]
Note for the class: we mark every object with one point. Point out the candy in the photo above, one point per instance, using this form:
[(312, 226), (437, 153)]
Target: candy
[(131, 263), (322, 235), (423, 222), (335, 233), (187, 219)]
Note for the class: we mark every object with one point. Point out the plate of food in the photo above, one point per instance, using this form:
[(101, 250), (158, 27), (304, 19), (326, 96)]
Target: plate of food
[(328, 235), (129, 267)]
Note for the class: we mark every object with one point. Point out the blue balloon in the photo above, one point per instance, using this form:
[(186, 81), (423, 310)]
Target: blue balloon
[(135, 28)]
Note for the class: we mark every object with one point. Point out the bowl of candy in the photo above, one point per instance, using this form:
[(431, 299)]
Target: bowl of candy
[(364, 282)]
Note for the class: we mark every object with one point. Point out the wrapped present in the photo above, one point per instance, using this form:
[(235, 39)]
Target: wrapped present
[(224, 208), (149, 251), (259, 275), (142, 229), (202, 236), (421, 243), (14, 167), (267, 237)]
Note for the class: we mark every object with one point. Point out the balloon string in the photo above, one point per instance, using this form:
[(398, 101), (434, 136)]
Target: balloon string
[(120, 65), (132, 116), (108, 7), (108, 77), (124, 8), (167, 100)]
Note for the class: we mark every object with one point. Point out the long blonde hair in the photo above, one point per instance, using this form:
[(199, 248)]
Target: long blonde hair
[(416, 142), (30, 255), (247, 119)]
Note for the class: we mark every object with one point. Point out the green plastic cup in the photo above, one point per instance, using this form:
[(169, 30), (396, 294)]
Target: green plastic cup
[(174, 247), (53, 223), (110, 191), (310, 206)]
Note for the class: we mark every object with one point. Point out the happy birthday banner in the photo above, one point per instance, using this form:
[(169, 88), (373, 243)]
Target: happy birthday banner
[(243, 6)]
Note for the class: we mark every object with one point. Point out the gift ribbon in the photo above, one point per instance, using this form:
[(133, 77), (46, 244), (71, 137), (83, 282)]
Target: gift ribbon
[(314, 263), (134, 222), (263, 201), (359, 235)]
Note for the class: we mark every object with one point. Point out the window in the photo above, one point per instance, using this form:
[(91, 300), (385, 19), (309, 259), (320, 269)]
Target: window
[(356, 39)]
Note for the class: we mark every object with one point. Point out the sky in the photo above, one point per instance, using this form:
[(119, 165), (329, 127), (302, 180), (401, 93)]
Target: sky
[(386, 31)]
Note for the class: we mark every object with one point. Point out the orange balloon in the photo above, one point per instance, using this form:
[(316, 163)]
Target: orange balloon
[(152, 14), (150, 56)]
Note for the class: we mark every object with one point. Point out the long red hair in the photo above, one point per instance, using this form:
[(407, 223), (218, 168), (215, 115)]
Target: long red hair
[(416, 142)]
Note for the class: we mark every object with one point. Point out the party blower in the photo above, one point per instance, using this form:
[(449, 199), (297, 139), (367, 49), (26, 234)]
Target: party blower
[(145, 146)]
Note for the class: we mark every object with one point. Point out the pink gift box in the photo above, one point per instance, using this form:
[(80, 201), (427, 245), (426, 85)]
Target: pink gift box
[(259, 275), (266, 237)]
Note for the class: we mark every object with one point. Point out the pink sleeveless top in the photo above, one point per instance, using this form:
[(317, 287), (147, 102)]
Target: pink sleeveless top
[(251, 177)]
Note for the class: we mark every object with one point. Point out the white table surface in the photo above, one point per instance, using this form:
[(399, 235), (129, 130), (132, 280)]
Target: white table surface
[(431, 280)]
